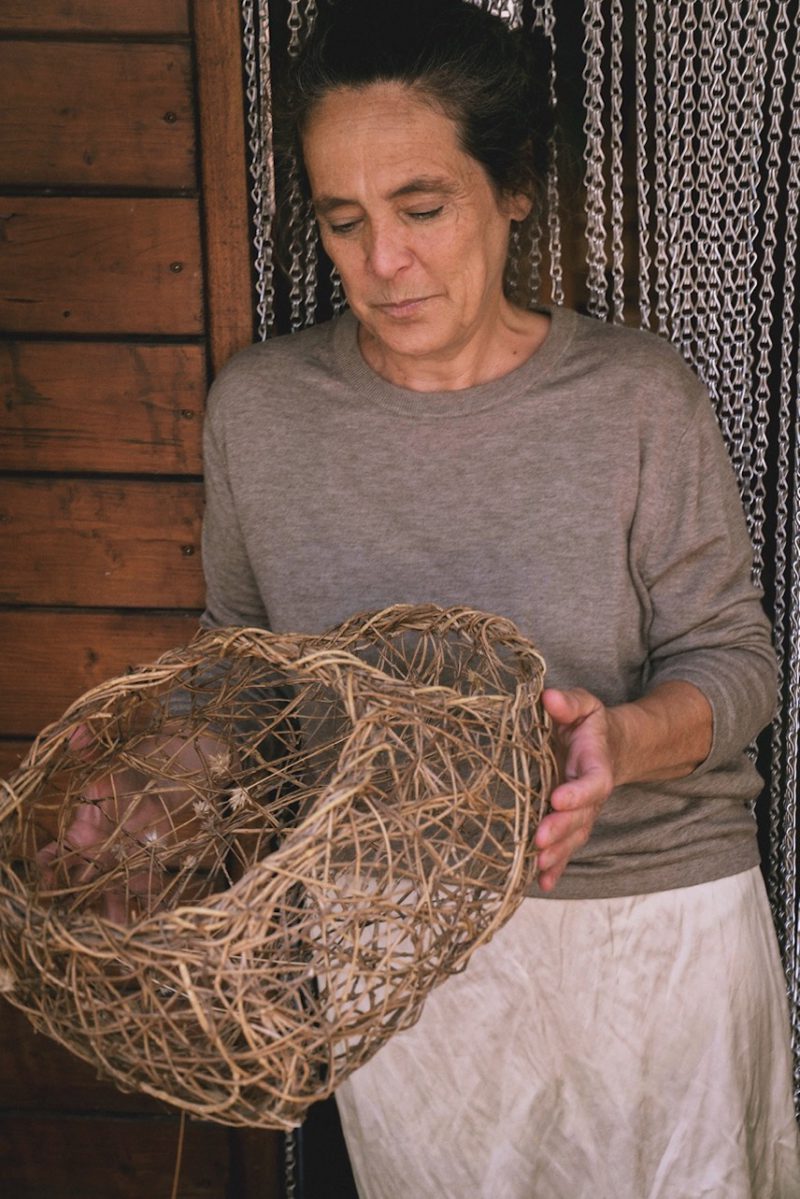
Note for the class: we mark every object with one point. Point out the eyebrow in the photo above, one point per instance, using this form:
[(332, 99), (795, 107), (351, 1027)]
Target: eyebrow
[(423, 184)]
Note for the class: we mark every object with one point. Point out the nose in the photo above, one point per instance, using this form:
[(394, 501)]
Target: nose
[(388, 251)]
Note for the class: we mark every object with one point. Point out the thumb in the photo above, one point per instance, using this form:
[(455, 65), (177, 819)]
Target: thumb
[(567, 707)]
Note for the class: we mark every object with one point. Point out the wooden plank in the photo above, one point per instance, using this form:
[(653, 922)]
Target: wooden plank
[(70, 406), (225, 185), (11, 754), (100, 543), (50, 658), (99, 115), (38, 1073), (256, 1164), (51, 1157), (87, 265), (95, 16)]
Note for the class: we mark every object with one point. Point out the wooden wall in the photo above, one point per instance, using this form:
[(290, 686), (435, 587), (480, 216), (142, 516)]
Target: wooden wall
[(124, 283)]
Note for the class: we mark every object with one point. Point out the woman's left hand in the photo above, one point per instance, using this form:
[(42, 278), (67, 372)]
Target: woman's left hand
[(664, 735), (584, 739)]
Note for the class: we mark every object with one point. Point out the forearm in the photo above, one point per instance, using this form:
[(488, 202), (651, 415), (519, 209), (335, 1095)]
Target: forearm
[(664, 735)]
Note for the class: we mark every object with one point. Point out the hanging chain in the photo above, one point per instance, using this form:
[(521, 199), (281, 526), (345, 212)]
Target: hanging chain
[(311, 248), (688, 294), (302, 271), (710, 169), (660, 161), (554, 226), (595, 159), (737, 259), (290, 1165), (544, 18), (617, 170), (766, 275), (642, 184), (770, 245), (258, 93), (790, 352), (554, 238)]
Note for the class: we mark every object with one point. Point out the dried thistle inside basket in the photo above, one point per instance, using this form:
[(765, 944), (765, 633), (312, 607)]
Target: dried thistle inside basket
[(227, 878)]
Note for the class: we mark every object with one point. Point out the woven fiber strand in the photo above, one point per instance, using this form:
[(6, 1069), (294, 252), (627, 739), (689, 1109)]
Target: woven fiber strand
[(228, 877)]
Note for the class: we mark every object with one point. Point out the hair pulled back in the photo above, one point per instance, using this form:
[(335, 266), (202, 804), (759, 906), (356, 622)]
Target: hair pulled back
[(491, 81)]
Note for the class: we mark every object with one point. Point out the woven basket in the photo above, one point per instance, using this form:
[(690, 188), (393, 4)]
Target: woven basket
[(227, 878)]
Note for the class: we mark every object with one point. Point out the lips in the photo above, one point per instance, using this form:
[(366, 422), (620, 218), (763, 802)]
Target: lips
[(404, 307)]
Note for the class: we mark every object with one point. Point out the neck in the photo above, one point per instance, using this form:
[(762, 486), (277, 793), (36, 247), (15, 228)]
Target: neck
[(485, 356)]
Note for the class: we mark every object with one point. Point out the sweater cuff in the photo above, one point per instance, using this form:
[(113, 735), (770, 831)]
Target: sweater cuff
[(742, 700)]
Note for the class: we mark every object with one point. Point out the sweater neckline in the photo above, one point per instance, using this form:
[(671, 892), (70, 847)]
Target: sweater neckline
[(421, 405)]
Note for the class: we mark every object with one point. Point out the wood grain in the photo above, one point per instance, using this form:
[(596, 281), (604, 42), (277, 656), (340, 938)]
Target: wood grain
[(11, 754), (58, 1157), (100, 543), (101, 407), (50, 658), (225, 183), (100, 265), (99, 115), (96, 16), (37, 1072)]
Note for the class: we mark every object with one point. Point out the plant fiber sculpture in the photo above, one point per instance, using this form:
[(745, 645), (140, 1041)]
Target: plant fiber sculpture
[(228, 877)]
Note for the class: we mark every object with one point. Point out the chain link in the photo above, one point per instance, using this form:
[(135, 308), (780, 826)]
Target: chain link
[(595, 159), (790, 378), (617, 171), (258, 93), (509, 10), (544, 16), (303, 240), (290, 1190), (770, 244), (770, 133), (688, 298), (661, 191), (642, 183)]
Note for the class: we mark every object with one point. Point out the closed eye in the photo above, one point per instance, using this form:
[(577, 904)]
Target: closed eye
[(342, 228), (427, 215)]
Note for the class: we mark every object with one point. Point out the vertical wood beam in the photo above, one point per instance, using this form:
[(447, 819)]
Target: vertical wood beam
[(223, 158)]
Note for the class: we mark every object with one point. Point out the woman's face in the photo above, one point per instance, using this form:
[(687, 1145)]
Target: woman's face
[(413, 224)]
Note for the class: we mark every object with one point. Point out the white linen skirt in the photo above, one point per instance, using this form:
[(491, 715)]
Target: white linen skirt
[(632, 1048)]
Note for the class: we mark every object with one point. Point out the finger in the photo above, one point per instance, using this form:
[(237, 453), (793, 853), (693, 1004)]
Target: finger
[(589, 788), (547, 879), (114, 905), (558, 827), (47, 861), (83, 743), (553, 861)]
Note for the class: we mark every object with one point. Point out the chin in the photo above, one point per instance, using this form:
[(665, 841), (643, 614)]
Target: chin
[(416, 339)]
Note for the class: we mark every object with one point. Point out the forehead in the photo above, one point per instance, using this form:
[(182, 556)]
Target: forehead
[(378, 137)]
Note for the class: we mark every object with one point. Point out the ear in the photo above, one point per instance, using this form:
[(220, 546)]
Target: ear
[(517, 206)]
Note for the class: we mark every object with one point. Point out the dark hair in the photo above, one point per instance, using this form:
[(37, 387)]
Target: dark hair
[(493, 82)]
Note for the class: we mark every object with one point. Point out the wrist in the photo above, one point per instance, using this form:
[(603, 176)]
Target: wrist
[(664, 735), (626, 734)]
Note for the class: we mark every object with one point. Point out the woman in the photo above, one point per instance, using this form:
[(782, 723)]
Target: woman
[(625, 1034)]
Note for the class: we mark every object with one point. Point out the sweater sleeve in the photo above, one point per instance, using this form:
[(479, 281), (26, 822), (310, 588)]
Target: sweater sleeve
[(232, 593), (706, 621)]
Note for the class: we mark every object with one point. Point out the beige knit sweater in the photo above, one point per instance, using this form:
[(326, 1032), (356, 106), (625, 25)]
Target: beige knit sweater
[(587, 495)]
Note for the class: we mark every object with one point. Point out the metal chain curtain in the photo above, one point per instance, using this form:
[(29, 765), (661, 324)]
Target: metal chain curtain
[(690, 193)]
